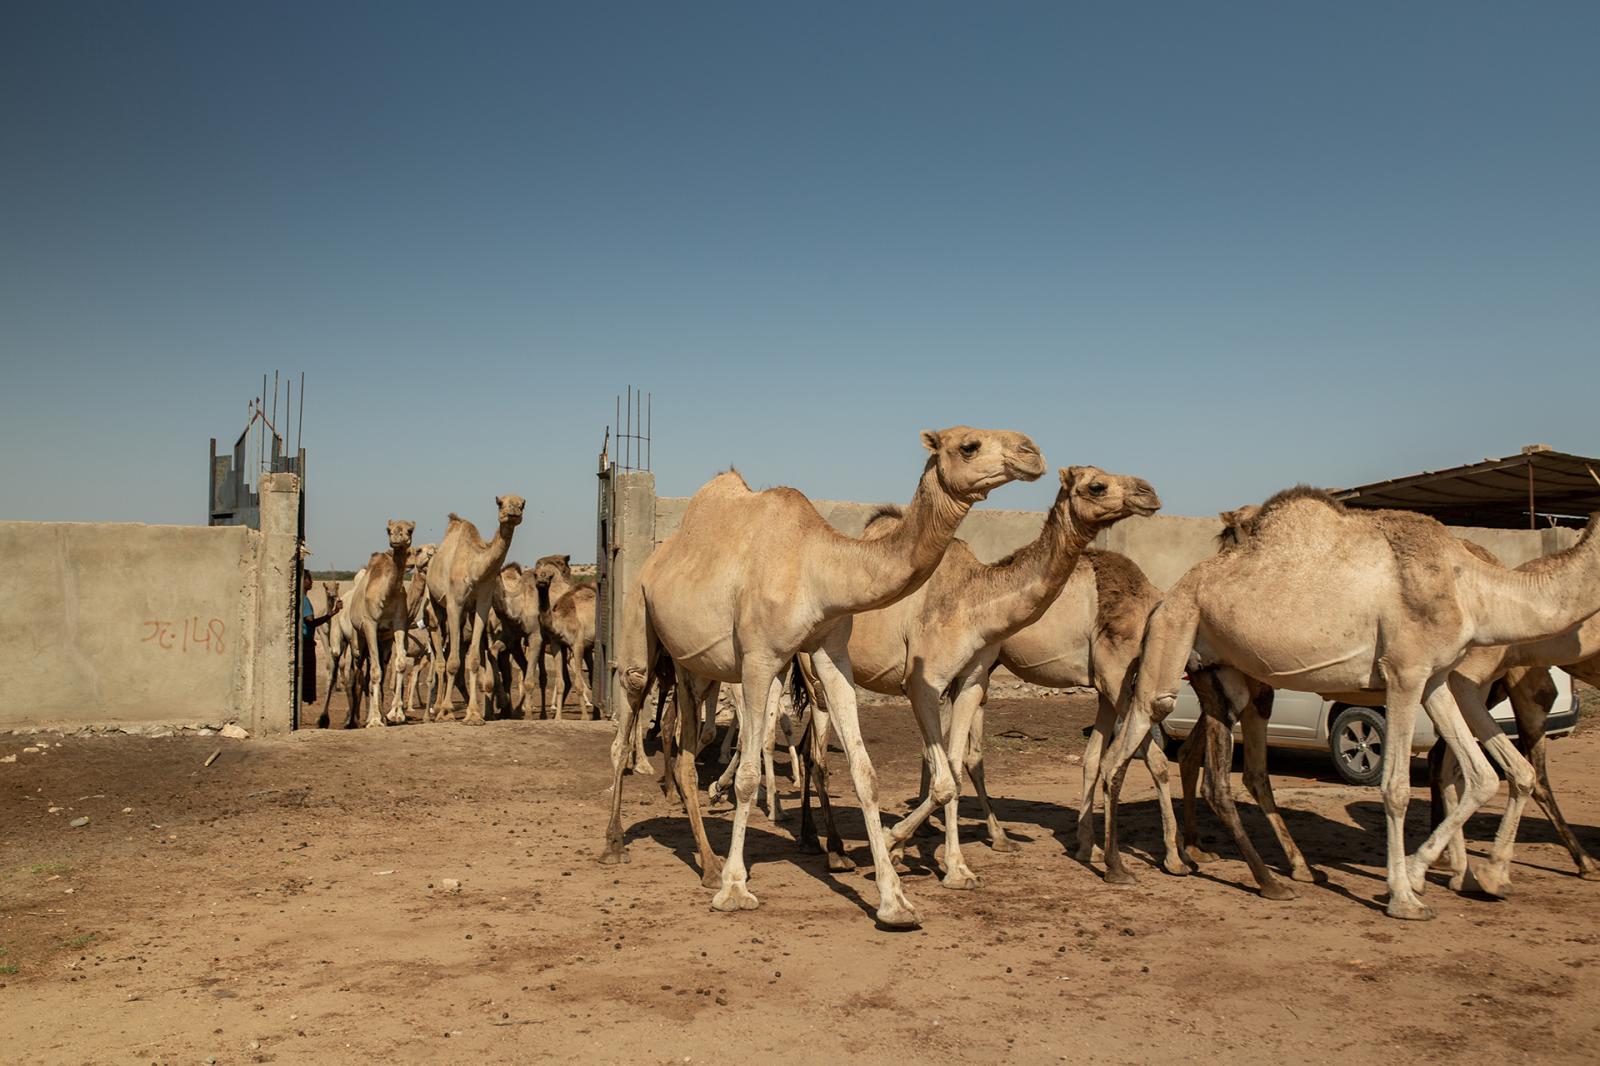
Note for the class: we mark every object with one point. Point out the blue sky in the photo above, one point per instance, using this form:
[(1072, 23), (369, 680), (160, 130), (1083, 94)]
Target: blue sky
[(1223, 247)]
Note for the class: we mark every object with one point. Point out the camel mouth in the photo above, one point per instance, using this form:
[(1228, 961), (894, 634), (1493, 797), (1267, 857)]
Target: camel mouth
[(1144, 504), (1025, 468)]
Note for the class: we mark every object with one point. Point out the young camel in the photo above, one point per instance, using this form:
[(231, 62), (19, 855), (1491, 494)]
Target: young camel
[(1397, 602), (462, 578), (516, 604), (748, 580), (566, 632), (938, 644)]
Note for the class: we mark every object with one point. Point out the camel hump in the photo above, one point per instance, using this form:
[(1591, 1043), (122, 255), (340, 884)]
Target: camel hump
[(1248, 523), (728, 481), (1121, 587), (512, 569)]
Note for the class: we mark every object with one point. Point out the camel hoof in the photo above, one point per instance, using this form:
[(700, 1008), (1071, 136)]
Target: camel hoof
[(712, 877), (961, 879), (1589, 873), (897, 913), (613, 854), (1200, 856), (839, 864), (734, 897), (1304, 875), (1483, 877), (1005, 844), (473, 721), (1410, 911), (1175, 866), (396, 717), (1120, 875), (1458, 881), (1277, 890), (322, 723), (374, 721), (1085, 852)]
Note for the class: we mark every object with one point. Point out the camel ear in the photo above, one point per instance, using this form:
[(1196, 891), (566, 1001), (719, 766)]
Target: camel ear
[(930, 439), (566, 560), (1069, 475), (499, 501)]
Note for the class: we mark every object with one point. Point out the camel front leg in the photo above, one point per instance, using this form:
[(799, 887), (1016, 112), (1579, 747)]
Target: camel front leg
[(1404, 700), (374, 694), (965, 709), (832, 662), (447, 671), (400, 666), (334, 655), (927, 698), (472, 664), (1105, 721)]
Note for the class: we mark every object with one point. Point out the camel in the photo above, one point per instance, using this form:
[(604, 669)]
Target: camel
[(937, 644), (516, 604), (1519, 671), (1355, 604), (752, 578), (461, 578), (378, 604), (566, 631)]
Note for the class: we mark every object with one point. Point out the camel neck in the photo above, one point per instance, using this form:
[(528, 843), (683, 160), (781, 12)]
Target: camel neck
[(874, 573), (494, 552), (550, 595), (1515, 606), (1019, 591)]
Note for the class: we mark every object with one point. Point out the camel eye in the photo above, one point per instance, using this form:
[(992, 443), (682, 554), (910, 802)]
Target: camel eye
[(970, 449), (1097, 489)]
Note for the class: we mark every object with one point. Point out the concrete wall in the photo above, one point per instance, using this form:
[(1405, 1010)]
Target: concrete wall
[(113, 623)]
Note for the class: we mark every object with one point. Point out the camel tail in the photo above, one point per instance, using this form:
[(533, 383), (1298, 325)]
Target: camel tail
[(797, 688)]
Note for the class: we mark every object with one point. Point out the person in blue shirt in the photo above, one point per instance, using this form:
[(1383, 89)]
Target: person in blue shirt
[(308, 643)]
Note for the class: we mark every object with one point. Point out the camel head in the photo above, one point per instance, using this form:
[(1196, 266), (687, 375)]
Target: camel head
[(400, 533), (421, 555), (1236, 525), (330, 591), (1098, 499), (510, 509), (972, 462), (551, 567)]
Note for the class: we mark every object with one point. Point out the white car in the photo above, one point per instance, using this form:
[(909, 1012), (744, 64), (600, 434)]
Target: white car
[(1354, 736)]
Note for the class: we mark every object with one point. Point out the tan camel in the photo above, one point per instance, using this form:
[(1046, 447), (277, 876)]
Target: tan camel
[(461, 578), (566, 630), (748, 580), (1355, 603), (516, 604), (378, 607), (1484, 674), (1091, 636), (938, 644)]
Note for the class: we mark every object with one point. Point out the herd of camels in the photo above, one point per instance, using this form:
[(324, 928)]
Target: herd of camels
[(757, 592), (389, 624)]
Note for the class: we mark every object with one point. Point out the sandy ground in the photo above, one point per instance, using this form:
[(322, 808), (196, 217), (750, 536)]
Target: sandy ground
[(287, 904)]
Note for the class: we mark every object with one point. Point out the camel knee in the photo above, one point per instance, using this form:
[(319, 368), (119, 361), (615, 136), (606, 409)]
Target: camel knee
[(1162, 705), (746, 781)]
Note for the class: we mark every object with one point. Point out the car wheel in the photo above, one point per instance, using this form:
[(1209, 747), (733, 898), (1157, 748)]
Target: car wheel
[(1356, 744)]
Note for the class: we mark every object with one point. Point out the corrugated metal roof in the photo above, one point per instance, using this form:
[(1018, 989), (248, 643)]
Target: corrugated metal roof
[(1495, 493)]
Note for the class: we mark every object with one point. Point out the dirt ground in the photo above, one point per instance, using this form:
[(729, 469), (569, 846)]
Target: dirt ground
[(287, 904)]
